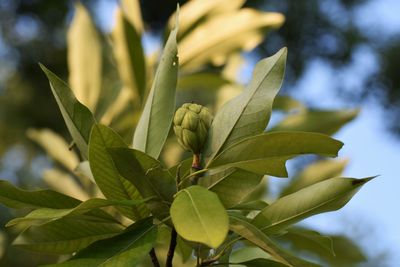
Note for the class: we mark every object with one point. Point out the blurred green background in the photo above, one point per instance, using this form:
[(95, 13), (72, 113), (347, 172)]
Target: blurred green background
[(342, 53)]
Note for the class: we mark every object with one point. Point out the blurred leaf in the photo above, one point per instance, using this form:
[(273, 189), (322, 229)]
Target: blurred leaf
[(248, 253), (195, 11), (326, 122), (261, 263), (64, 183), (204, 81), (268, 153), (55, 146), (197, 208), (84, 58), (3, 243), (66, 235), (314, 173), (78, 118), (328, 195), (124, 250), (243, 30), (108, 179), (231, 185), (347, 252), (286, 103), (241, 226), (309, 240), (16, 198), (248, 113), (129, 55), (133, 13), (155, 121), (148, 176), (45, 215)]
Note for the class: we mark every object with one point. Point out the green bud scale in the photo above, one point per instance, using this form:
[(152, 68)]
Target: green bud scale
[(191, 124)]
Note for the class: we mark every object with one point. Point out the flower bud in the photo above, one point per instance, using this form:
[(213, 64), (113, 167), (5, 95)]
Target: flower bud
[(191, 124)]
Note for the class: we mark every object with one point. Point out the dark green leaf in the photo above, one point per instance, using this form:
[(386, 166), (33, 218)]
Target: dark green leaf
[(66, 235), (328, 195), (155, 121), (268, 153), (44, 215), (107, 177), (248, 113), (199, 216), (232, 185), (247, 230), (77, 117), (16, 198), (124, 250), (148, 176)]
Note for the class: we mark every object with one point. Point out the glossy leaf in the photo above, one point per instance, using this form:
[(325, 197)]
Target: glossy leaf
[(124, 250), (84, 58), (241, 226), (328, 195), (248, 113), (78, 118), (243, 30), (65, 235), (155, 121), (232, 185), (129, 55), (320, 121), (108, 179), (314, 173), (44, 215), (267, 153), (148, 176), (16, 198), (199, 216), (55, 146), (251, 205)]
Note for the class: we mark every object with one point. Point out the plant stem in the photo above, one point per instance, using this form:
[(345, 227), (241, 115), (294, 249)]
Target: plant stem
[(196, 166), (153, 257), (171, 250)]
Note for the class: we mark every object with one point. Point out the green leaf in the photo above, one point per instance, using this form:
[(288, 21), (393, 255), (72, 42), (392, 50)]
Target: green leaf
[(132, 12), (242, 30), (260, 263), (321, 121), (78, 118), (107, 177), (129, 55), (199, 216), (249, 206), (124, 250), (55, 146), (45, 215), (328, 195), (314, 173), (66, 235), (84, 58), (155, 121), (232, 185), (241, 226), (148, 176), (347, 252), (248, 113), (267, 153), (16, 198)]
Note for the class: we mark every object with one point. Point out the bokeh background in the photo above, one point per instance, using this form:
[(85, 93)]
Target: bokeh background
[(342, 54)]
